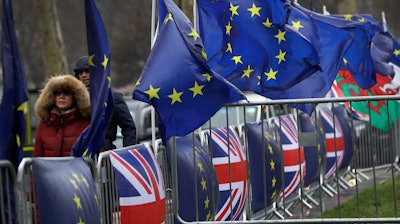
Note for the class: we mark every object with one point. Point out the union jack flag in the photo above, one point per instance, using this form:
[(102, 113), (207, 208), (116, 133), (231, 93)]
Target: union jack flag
[(140, 185), (334, 141), (293, 154), (230, 164)]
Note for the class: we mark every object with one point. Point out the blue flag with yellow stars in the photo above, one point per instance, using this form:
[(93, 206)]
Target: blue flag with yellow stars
[(252, 48), (66, 192), (266, 166), (357, 59), (15, 92), (381, 43), (101, 100), (198, 192), (331, 43), (177, 81)]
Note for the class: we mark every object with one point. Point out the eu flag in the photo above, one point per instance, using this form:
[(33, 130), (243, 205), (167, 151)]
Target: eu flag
[(331, 43), (177, 81), (357, 59), (197, 180), (249, 46), (381, 43), (66, 192), (101, 100), (15, 93), (266, 166)]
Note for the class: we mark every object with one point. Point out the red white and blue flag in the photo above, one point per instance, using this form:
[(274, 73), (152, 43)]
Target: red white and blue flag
[(140, 185), (293, 154), (229, 161), (334, 141)]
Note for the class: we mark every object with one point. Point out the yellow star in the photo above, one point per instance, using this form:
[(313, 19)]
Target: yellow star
[(90, 60), (76, 177), (281, 56), (208, 76), (204, 54), (138, 81), (233, 9), (280, 36), (206, 202), (228, 48), (259, 78), (168, 18), (193, 34), (267, 23), (297, 25), (228, 28), (153, 93), (237, 59), (271, 151), (396, 52), (273, 196), (86, 182), (105, 62), (271, 74), (361, 20), (345, 61), (200, 165), (273, 181), (254, 10), (73, 182), (247, 72), (272, 164), (196, 89), (175, 96), (348, 17), (77, 201), (203, 184), (208, 217), (81, 221)]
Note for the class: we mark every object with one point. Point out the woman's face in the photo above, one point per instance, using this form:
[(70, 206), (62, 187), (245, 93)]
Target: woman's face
[(64, 100)]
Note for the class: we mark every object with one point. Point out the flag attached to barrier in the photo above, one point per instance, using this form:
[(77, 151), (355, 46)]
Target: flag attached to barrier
[(229, 161), (177, 81), (248, 47), (293, 154), (266, 166), (66, 192), (349, 135), (382, 113), (92, 138), (198, 193), (140, 185), (15, 92), (334, 141), (313, 154)]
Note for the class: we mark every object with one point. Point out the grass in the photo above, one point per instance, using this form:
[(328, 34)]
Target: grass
[(384, 206)]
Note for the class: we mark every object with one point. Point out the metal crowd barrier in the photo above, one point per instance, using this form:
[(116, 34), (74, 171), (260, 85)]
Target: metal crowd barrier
[(27, 202), (8, 207), (280, 166)]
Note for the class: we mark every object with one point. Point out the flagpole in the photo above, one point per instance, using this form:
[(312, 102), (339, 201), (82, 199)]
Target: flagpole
[(153, 113), (385, 28)]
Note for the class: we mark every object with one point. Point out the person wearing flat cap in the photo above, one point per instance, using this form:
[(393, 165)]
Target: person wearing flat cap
[(120, 115), (63, 108)]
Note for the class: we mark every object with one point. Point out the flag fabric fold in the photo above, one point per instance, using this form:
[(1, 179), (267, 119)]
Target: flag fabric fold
[(91, 140), (66, 192), (177, 81), (140, 185), (15, 92), (248, 45)]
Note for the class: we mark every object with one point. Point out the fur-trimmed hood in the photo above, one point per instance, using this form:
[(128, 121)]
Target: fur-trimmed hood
[(46, 100)]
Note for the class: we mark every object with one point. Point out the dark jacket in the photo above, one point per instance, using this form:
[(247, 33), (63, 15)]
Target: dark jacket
[(57, 132), (120, 117)]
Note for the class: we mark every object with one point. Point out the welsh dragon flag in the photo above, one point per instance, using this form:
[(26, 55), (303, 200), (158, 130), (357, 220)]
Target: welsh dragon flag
[(377, 111)]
